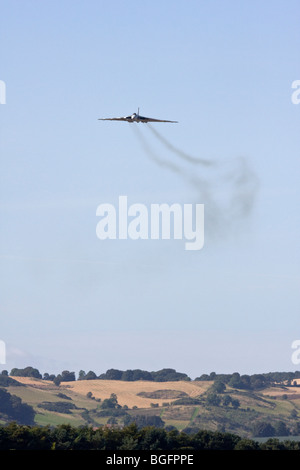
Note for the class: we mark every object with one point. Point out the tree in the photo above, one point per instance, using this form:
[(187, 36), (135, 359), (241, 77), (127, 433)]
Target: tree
[(27, 372), (258, 381), (235, 403), (90, 375), (294, 413), (235, 381), (67, 376), (127, 376), (218, 387), (47, 376), (110, 403), (263, 429), (12, 407), (127, 419), (227, 400), (167, 375), (57, 380), (296, 430), (246, 382), (272, 444), (213, 399), (246, 444), (112, 374), (143, 421), (281, 429), (112, 420), (114, 398)]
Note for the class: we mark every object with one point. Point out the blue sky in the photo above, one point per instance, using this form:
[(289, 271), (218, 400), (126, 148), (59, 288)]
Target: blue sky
[(224, 70)]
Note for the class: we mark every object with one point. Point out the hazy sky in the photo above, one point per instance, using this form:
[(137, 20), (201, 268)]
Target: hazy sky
[(224, 70)]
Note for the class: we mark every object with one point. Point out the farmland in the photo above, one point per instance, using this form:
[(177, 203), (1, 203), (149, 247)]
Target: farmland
[(182, 405)]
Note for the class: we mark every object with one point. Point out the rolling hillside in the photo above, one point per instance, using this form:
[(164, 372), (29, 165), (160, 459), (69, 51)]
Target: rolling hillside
[(184, 405)]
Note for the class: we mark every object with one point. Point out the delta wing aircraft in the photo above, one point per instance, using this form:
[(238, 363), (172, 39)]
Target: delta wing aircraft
[(135, 117)]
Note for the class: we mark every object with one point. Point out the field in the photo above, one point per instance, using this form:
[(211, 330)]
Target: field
[(146, 399), (127, 392)]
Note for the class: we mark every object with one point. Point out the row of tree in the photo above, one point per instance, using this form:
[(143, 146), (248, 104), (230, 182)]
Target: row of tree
[(254, 381), (163, 375), (66, 437), (235, 380)]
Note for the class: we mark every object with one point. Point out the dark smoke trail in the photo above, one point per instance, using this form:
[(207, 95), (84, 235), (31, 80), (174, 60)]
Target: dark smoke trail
[(227, 189), (152, 155), (189, 158)]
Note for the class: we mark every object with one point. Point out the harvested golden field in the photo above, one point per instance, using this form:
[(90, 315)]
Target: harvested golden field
[(127, 391), (36, 383)]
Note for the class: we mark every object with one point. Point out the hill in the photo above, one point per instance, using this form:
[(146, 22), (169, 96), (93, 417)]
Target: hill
[(184, 405)]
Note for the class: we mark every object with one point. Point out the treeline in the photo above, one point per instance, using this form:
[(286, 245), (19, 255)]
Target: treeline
[(255, 381), (235, 380), (163, 375), (66, 437)]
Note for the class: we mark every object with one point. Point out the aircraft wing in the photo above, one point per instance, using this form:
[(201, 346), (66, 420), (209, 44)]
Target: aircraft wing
[(114, 119), (134, 118), (146, 119)]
